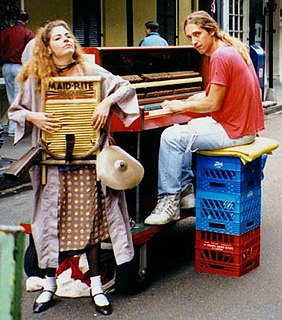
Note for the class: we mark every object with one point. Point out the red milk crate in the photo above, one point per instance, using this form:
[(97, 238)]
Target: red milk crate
[(228, 243), (228, 269), (226, 254)]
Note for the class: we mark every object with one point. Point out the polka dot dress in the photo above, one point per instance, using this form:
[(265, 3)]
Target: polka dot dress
[(82, 214)]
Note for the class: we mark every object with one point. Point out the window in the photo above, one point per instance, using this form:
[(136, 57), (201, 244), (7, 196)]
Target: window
[(9, 9), (236, 19), (166, 10), (87, 22)]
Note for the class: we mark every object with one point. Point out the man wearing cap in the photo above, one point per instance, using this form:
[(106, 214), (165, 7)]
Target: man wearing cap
[(12, 43), (153, 37)]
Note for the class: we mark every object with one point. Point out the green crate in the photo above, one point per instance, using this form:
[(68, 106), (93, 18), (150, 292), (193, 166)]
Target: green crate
[(11, 271)]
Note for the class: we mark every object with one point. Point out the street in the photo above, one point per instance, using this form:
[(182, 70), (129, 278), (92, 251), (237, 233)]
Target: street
[(177, 291)]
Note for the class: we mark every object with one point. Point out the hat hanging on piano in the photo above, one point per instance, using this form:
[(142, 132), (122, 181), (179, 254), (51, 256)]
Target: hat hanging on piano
[(117, 169)]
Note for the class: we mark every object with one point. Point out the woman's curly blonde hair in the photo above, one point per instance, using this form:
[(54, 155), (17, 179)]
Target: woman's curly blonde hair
[(41, 65), (205, 21)]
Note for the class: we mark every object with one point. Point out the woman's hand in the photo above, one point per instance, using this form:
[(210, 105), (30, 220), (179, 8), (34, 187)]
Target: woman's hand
[(45, 121), (100, 115)]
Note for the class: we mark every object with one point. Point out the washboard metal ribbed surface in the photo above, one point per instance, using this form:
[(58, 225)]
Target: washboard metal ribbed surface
[(73, 100)]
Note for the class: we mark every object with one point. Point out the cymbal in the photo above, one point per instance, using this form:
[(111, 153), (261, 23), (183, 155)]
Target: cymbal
[(117, 169)]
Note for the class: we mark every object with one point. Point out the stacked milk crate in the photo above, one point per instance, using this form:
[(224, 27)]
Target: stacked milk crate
[(228, 215)]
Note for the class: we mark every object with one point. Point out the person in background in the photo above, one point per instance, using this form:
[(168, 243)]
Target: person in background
[(28, 50), (230, 113), (61, 202), (153, 37), (12, 43)]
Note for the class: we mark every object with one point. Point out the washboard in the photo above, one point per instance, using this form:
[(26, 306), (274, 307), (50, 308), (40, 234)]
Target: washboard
[(73, 100)]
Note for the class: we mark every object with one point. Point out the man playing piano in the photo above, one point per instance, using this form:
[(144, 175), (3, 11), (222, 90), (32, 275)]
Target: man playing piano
[(230, 113)]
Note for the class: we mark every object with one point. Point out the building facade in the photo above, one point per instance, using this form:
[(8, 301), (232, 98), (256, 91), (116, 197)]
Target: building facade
[(121, 23)]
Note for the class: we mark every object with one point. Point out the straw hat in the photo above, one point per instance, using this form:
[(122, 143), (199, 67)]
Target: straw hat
[(117, 169)]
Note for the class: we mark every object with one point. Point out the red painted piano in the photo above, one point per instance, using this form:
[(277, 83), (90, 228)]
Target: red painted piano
[(157, 73)]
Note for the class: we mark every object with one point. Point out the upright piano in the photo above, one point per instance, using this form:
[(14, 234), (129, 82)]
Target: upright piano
[(158, 74)]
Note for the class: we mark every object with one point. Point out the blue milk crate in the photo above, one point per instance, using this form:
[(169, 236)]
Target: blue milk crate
[(227, 174), (228, 213)]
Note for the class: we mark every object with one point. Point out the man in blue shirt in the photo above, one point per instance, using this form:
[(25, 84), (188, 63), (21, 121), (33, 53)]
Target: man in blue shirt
[(153, 37)]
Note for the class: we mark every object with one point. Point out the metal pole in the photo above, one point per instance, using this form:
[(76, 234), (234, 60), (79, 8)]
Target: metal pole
[(129, 20), (270, 94), (270, 45), (138, 154), (22, 5)]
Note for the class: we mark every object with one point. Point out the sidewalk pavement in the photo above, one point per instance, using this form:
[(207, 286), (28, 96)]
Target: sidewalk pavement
[(10, 153)]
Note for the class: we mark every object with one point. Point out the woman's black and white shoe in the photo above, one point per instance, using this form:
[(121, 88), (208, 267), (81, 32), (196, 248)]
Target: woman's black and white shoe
[(42, 306), (103, 309)]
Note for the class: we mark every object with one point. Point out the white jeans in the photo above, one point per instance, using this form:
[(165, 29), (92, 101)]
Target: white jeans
[(10, 71), (180, 141)]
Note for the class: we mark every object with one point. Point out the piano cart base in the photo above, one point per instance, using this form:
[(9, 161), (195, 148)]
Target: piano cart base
[(132, 277)]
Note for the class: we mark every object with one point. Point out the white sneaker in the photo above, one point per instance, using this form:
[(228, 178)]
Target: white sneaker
[(167, 210), (187, 200)]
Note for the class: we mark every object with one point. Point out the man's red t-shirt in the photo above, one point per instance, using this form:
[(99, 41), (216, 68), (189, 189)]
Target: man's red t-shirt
[(241, 113)]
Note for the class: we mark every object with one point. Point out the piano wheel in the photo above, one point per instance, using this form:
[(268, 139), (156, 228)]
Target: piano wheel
[(131, 277)]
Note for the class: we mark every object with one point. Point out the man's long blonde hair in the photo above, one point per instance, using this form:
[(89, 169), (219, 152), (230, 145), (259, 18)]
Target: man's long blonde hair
[(205, 21), (41, 65)]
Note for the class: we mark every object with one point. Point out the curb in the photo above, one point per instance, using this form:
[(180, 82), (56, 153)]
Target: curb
[(15, 190), (272, 109)]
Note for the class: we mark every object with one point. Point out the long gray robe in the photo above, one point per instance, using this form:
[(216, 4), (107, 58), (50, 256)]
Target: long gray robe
[(45, 210)]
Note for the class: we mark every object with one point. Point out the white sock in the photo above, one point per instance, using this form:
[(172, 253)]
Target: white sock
[(49, 284), (96, 287)]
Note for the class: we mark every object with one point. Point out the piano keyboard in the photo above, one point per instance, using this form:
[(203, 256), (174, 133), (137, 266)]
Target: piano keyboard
[(155, 109), (151, 106)]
